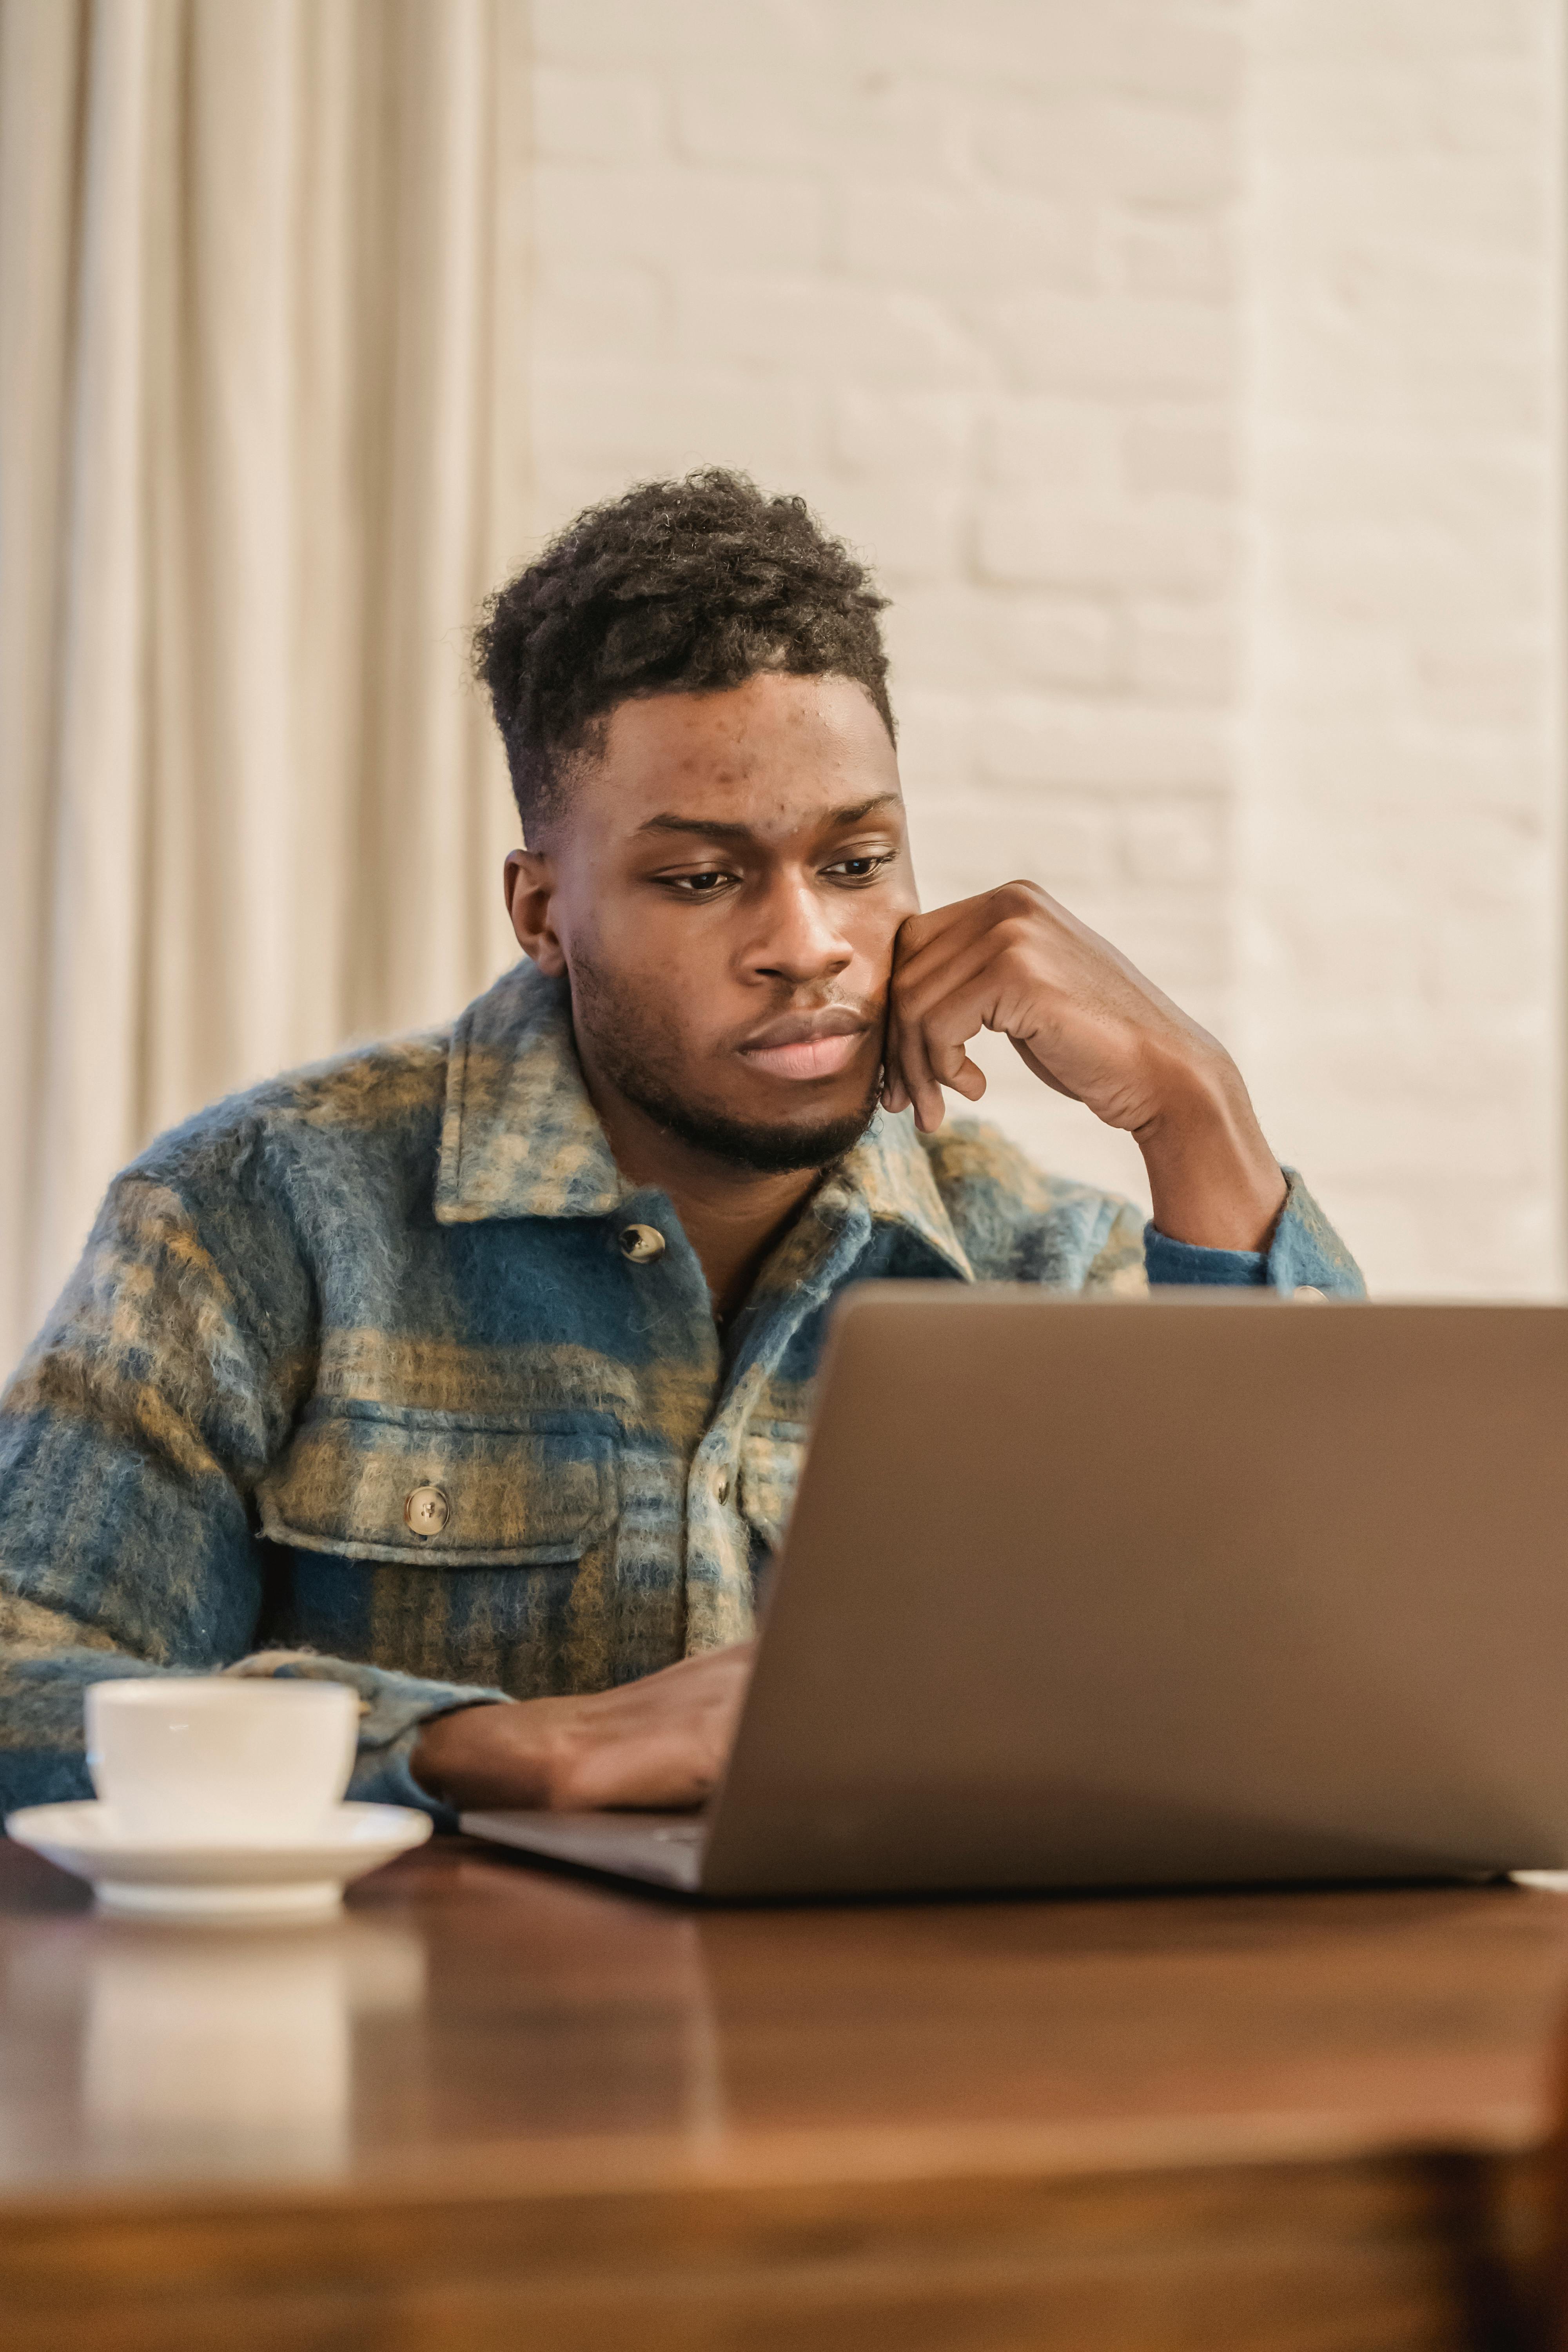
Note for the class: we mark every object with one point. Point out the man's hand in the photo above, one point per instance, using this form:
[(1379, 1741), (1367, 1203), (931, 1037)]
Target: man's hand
[(1089, 1024), (659, 1743)]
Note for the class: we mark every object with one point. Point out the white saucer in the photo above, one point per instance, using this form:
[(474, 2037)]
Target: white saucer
[(299, 1876)]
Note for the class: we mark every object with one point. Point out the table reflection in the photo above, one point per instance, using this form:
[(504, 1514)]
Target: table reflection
[(219, 2051)]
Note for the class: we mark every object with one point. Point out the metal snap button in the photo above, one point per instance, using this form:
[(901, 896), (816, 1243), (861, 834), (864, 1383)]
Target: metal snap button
[(427, 1511), (641, 1244)]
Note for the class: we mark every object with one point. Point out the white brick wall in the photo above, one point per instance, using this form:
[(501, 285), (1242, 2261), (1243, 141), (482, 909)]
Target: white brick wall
[(1401, 877), (1097, 328)]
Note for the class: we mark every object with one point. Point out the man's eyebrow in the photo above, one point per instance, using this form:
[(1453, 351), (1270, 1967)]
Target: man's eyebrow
[(711, 828)]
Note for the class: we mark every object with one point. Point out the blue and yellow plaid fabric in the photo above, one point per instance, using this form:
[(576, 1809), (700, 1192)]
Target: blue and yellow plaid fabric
[(403, 1270)]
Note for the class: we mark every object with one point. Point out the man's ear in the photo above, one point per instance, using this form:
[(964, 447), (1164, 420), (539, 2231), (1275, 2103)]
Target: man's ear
[(530, 891)]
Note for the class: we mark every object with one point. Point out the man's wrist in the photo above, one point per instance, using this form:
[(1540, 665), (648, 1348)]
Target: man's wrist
[(1213, 1180), (455, 1756)]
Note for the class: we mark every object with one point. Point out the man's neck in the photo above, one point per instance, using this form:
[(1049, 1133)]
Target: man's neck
[(730, 1214)]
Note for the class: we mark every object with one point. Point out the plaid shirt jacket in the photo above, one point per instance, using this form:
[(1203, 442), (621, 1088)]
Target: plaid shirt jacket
[(401, 1271)]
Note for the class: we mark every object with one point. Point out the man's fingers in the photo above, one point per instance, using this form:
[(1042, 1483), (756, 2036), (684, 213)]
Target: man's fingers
[(956, 972), (925, 945), (983, 921), (895, 1095), (966, 1080), (937, 1020), (953, 1068), (925, 1050), (916, 1076), (982, 972)]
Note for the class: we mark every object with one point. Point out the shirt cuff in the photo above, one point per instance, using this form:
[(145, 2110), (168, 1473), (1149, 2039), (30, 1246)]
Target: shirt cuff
[(1171, 1262), (384, 1776), (394, 1709), (1304, 1253)]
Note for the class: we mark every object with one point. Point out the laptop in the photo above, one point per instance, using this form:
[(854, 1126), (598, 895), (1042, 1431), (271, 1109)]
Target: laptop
[(1210, 1588)]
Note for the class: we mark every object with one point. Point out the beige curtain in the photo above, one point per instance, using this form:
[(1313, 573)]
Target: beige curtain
[(262, 275)]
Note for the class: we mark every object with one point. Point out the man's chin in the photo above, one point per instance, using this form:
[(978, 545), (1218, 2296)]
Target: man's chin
[(770, 1148), (763, 1147)]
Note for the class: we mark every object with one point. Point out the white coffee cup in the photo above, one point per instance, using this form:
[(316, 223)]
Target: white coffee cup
[(214, 1757)]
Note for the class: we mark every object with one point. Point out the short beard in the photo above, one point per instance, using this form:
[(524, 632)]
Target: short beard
[(635, 1066), (768, 1150)]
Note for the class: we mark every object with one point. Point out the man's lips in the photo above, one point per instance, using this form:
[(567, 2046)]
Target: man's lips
[(812, 1057), (807, 1045)]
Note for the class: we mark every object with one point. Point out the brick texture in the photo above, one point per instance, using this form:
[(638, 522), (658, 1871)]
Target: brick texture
[(1186, 369), (1400, 877)]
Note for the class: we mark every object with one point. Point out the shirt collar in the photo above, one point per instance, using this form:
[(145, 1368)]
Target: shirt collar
[(891, 1171), (520, 1139)]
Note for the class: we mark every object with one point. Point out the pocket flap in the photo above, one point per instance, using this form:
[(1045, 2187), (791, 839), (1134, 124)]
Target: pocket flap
[(430, 1488)]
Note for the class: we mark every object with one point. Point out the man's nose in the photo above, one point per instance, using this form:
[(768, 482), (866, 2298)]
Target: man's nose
[(797, 939)]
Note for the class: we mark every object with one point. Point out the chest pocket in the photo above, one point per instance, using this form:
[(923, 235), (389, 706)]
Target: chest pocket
[(381, 1483), (771, 1455)]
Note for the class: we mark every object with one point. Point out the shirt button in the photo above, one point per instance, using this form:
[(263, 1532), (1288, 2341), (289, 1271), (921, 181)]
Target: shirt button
[(427, 1511), (641, 1244), (1309, 1293)]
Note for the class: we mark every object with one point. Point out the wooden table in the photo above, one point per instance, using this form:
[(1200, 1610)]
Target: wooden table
[(496, 2107)]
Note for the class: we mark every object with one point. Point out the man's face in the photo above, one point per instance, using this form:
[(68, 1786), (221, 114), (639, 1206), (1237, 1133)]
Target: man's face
[(723, 890)]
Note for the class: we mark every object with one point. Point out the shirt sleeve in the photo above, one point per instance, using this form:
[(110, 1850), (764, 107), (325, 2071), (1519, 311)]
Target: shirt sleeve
[(1304, 1253), (131, 1441)]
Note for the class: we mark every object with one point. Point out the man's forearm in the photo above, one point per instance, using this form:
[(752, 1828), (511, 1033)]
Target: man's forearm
[(498, 1754), (1213, 1179)]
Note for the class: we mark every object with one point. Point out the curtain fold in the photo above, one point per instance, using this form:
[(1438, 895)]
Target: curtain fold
[(262, 451)]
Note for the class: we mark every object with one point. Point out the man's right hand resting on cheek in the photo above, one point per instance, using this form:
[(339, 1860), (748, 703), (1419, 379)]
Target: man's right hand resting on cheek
[(659, 1743)]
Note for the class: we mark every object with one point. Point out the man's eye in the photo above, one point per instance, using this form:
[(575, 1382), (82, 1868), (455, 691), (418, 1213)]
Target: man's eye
[(861, 869), (698, 886)]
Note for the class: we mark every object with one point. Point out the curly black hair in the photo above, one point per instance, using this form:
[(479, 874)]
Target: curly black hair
[(681, 587)]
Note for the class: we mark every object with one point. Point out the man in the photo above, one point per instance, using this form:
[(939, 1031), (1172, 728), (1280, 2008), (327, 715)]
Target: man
[(475, 1370)]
